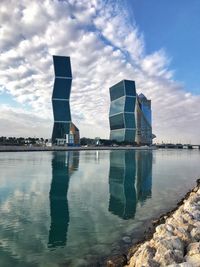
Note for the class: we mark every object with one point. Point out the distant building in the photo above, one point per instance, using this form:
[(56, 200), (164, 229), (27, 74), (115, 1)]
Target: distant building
[(61, 102), (143, 120), (130, 115), (73, 138), (122, 111)]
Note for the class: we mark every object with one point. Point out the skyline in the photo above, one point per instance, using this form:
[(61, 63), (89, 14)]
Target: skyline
[(106, 44)]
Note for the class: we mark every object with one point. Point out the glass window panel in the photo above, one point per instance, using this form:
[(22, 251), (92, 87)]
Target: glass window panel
[(117, 135), (60, 130), (117, 106), (117, 122), (130, 88), (147, 112), (130, 104), (61, 110), (62, 88), (62, 66), (130, 135), (129, 120), (117, 91)]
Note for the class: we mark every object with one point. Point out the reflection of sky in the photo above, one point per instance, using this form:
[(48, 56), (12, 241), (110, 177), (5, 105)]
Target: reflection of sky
[(25, 203)]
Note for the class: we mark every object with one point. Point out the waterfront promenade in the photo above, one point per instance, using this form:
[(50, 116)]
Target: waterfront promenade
[(68, 148)]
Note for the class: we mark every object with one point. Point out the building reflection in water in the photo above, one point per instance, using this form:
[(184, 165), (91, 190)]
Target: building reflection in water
[(63, 165), (144, 161), (130, 180), (122, 184)]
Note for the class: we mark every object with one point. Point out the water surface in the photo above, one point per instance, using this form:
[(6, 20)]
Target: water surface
[(72, 208)]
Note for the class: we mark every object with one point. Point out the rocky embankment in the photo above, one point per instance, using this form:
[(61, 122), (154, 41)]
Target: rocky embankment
[(175, 242)]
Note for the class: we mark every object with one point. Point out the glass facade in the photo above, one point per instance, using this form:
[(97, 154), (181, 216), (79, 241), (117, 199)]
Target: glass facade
[(60, 129), (130, 114), (61, 110), (62, 88), (144, 127), (117, 91), (62, 66), (122, 111), (130, 104), (60, 97), (117, 106)]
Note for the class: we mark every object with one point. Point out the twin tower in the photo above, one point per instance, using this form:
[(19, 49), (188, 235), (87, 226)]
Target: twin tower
[(129, 117)]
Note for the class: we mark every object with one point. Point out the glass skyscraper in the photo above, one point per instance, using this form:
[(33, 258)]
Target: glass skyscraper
[(122, 111), (144, 128), (130, 115), (60, 100)]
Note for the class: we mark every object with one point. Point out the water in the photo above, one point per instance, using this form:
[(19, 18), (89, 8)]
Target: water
[(72, 208)]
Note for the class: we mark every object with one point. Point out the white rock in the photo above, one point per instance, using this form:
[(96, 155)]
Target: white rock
[(195, 234), (193, 260), (193, 248)]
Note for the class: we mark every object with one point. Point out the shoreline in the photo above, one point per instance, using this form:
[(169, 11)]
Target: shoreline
[(171, 240), (62, 148)]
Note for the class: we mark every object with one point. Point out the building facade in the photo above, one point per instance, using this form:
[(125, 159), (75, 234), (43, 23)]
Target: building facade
[(130, 115), (143, 121), (122, 111), (61, 100)]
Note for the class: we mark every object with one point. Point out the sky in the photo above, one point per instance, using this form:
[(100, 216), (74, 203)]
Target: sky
[(155, 43)]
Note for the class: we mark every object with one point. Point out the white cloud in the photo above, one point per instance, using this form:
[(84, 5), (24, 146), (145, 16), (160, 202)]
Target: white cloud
[(104, 48)]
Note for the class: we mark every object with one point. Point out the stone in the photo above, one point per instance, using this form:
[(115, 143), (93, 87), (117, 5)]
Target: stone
[(193, 260), (193, 248), (170, 227), (169, 257), (182, 234), (143, 257), (175, 243), (184, 264), (195, 234)]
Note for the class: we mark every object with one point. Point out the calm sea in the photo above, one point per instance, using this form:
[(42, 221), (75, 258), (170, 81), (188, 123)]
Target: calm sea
[(74, 208)]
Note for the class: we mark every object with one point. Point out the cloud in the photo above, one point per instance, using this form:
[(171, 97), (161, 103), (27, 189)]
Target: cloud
[(104, 48), (19, 122)]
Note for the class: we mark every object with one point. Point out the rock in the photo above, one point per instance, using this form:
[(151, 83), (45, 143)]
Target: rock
[(184, 264), (169, 227), (182, 234), (144, 257), (193, 248), (193, 260), (195, 234), (177, 236), (169, 257)]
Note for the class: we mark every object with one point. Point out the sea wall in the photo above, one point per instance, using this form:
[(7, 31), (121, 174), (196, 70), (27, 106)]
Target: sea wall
[(175, 240), (68, 148)]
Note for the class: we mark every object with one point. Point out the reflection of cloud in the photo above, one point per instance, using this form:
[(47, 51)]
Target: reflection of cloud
[(104, 48), (127, 169), (22, 206)]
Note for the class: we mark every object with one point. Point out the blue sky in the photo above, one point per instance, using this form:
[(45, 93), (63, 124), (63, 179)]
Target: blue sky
[(153, 42), (173, 25)]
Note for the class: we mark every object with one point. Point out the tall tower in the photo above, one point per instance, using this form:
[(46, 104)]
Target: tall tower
[(60, 98), (122, 111), (143, 121)]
